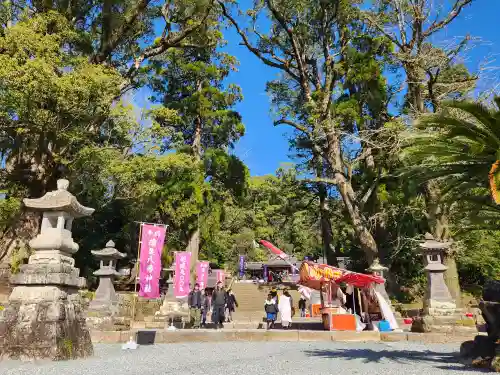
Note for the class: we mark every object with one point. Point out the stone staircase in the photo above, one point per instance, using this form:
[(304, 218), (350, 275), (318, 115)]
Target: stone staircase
[(251, 299)]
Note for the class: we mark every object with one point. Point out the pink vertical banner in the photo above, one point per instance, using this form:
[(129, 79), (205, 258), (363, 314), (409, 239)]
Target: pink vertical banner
[(220, 275), (182, 274), (152, 240), (202, 274)]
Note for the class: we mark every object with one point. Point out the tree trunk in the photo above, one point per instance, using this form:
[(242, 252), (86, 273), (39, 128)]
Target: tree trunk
[(436, 212), (326, 227), (194, 240), (451, 278), (363, 235), (415, 92), (107, 14), (14, 242), (193, 247), (438, 222)]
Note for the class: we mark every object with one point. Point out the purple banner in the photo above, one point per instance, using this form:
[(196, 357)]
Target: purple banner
[(182, 274), (152, 240), (202, 274), (265, 272), (242, 265)]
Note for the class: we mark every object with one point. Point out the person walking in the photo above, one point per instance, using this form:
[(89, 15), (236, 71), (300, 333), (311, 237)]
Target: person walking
[(231, 303), (271, 309), (195, 303), (205, 307), (302, 307), (219, 301), (285, 309)]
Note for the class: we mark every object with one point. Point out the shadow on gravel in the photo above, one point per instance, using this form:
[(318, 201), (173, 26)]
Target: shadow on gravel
[(463, 368), (374, 356)]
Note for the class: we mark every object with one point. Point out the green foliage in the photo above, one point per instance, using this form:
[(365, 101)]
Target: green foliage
[(56, 102), (479, 258), (9, 209), (64, 71), (196, 108), (457, 146)]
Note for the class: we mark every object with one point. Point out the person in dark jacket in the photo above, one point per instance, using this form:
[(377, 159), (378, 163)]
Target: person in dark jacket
[(206, 307), (219, 301), (271, 309), (302, 307), (195, 301), (231, 303)]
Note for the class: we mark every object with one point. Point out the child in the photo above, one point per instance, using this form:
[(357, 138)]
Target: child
[(271, 308)]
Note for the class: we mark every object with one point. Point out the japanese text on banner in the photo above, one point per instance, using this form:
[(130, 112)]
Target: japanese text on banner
[(202, 274), (152, 240), (182, 274)]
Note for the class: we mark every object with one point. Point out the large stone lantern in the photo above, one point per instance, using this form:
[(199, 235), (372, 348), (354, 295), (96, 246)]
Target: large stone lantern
[(438, 300), (44, 317)]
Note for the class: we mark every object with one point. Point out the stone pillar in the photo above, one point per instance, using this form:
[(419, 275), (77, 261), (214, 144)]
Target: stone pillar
[(44, 317)]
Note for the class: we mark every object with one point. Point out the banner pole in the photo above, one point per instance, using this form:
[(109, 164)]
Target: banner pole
[(137, 270)]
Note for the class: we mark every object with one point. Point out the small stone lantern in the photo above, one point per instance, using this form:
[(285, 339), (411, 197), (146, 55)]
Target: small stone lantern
[(377, 269), (438, 300), (106, 300)]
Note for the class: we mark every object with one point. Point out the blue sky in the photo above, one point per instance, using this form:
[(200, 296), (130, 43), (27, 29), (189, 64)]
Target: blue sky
[(264, 147)]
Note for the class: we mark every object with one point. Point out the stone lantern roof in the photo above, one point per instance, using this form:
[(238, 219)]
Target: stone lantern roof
[(431, 244), (108, 252), (376, 267), (431, 248), (59, 200)]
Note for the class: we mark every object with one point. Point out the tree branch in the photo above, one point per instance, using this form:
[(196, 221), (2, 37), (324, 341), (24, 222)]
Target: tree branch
[(172, 41), (108, 46), (389, 36), (454, 13), (253, 49), (328, 181), (304, 77), (293, 124)]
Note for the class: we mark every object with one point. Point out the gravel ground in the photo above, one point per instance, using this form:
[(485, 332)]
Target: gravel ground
[(246, 358)]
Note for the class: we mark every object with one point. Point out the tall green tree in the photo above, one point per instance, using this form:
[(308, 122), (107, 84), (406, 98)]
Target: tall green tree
[(74, 61), (311, 43), (197, 112), (53, 104), (432, 75)]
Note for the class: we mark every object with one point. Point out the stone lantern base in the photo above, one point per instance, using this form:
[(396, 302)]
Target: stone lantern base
[(45, 321)]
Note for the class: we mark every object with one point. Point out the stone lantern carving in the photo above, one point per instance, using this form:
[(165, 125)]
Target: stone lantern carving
[(44, 318), (438, 300), (106, 300)]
